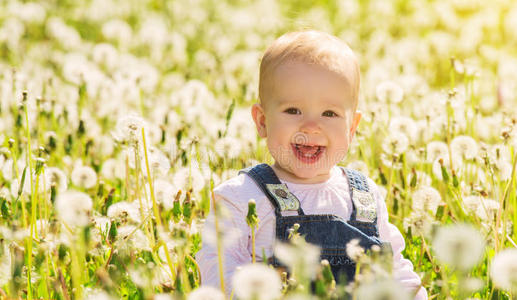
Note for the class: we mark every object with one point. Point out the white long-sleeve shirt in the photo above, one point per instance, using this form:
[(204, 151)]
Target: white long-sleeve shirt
[(329, 197)]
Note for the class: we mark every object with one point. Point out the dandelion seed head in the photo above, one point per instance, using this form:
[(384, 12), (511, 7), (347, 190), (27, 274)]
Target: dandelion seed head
[(464, 146), (382, 290), (426, 199), (74, 208), (503, 270), (84, 177), (55, 176), (206, 293), (256, 281), (436, 150), (460, 246), (487, 209), (129, 128), (389, 91), (124, 212), (113, 169), (299, 254), (395, 143), (405, 125), (354, 250)]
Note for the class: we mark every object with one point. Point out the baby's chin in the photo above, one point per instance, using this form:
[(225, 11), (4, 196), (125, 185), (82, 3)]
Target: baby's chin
[(303, 174)]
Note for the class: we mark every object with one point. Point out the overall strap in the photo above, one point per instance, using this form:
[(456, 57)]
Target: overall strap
[(363, 202), (277, 192)]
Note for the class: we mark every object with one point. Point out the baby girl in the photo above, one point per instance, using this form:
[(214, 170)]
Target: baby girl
[(307, 111)]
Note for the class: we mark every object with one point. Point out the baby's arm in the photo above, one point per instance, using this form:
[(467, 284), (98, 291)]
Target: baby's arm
[(233, 225), (402, 268)]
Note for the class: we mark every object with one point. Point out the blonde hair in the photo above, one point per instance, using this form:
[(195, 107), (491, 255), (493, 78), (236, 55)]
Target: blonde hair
[(312, 47)]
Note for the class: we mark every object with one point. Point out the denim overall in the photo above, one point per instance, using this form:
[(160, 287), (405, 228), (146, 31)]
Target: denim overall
[(330, 232)]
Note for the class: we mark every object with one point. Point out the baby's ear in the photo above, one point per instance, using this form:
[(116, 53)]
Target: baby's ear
[(259, 117), (355, 123)]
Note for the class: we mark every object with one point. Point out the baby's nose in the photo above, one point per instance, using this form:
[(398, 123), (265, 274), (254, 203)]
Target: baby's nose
[(310, 126)]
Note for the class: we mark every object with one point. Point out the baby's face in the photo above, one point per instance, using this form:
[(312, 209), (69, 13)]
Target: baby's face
[(309, 120)]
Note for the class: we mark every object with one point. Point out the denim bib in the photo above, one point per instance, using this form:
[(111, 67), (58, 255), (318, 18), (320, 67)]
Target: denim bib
[(330, 232)]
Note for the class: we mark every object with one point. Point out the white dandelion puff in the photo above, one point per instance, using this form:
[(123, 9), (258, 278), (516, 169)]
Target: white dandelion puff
[(389, 91), (206, 293), (464, 146), (124, 212), (5, 265), (426, 199), (395, 143), (405, 125), (487, 209), (228, 147), (459, 246), (298, 254), (131, 238), (129, 128), (257, 281), (354, 250), (436, 150), (382, 290), (74, 208), (84, 176), (55, 176), (503, 270), (113, 169), (164, 193)]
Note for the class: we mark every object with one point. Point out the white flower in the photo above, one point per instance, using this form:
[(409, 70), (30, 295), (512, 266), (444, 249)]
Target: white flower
[(97, 294), (84, 176), (460, 246), (55, 176), (419, 222), (113, 169), (503, 270), (464, 146), (181, 178), (436, 150), (164, 193), (124, 211), (130, 238), (354, 250), (5, 265), (395, 143), (129, 128), (157, 162), (74, 207), (389, 91), (382, 290), (487, 209), (206, 293), (426, 199), (405, 125), (228, 147), (117, 30), (472, 202), (257, 281), (299, 255)]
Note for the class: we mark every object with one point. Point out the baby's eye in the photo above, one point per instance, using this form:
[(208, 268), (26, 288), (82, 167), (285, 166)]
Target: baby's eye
[(293, 111), (329, 113)]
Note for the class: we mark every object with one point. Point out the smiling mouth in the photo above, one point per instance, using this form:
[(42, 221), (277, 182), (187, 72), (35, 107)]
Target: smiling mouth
[(308, 153)]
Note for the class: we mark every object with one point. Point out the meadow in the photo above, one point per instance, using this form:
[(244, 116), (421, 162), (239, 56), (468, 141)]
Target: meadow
[(117, 119)]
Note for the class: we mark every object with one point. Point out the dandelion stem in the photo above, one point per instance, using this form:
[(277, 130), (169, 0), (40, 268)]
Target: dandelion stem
[(150, 180)]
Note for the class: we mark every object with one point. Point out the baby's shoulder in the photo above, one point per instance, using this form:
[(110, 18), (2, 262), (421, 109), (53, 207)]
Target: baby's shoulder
[(238, 190)]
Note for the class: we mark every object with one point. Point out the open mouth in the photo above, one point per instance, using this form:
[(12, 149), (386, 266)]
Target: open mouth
[(308, 153)]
